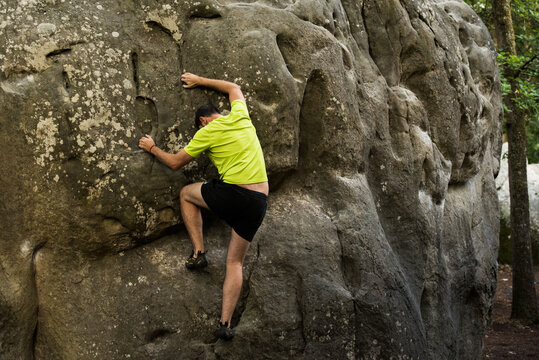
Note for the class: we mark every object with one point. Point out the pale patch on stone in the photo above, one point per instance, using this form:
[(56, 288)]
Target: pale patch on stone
[(105, 166), (46, 29), (4, 24), (45, 135), (38, 52), (269, 109), (169, 22), (96, 190), (26, 248), (17, 86), (101, 118)]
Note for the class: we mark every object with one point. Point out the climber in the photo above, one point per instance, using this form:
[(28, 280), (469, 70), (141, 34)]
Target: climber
[(239, 196)]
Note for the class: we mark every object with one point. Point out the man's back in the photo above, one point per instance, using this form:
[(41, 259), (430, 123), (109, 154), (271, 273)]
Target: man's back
[(232, 145)]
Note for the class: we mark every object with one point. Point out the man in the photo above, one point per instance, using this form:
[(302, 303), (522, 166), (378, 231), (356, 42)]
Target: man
[(238, 197)]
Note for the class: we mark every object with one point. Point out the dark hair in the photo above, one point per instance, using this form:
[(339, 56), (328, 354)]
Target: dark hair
[(205, 110)]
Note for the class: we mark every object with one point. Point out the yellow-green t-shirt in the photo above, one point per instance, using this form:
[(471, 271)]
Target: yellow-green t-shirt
[(233, 147)]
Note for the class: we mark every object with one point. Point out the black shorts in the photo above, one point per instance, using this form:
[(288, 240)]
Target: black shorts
[(241, 208)]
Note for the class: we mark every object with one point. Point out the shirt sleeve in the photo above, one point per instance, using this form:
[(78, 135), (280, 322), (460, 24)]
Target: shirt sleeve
[(199, 143), (238, 109)]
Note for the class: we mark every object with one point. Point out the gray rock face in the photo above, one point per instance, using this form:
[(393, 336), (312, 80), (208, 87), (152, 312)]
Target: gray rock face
[(380, 122)]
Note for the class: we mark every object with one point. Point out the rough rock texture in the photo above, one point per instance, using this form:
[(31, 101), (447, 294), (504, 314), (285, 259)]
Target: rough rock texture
[(502, 185), (380, 122)]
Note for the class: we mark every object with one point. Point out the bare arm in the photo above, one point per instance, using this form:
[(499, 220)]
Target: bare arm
[(227, 87), (173, 161)]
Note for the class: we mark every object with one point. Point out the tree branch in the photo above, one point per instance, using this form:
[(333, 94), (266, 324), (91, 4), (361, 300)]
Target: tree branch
[(525, 65)]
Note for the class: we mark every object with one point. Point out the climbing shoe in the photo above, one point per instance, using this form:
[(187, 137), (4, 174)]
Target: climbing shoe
[(199, 262), (224, 332)]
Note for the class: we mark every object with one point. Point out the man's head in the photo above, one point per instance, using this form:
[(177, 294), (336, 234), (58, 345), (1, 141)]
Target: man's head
[(206, 114)]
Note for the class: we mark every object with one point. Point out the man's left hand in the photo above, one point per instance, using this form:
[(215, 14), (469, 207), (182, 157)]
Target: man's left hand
[(191, 80), (146, 142)]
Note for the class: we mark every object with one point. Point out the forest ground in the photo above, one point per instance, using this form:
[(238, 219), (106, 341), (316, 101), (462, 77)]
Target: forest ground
[(505, 338)]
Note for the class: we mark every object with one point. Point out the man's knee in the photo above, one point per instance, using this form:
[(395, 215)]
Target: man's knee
[(192, 194), (234, 264), (184, 193)]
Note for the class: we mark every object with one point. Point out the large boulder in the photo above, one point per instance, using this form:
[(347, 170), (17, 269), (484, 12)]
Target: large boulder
[(381, 126)]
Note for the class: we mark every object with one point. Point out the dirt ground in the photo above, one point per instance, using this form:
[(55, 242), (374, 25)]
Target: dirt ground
[(505, 338)]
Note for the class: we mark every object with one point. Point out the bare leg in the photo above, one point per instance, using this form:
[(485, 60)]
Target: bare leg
[(191, 201), (237, 249)]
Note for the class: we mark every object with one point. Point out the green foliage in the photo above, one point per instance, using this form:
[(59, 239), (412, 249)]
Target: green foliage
[(524, 66), (483, 8)]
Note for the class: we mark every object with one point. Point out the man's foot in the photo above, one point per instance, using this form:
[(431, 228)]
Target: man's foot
[(224, 332), (198, 262)]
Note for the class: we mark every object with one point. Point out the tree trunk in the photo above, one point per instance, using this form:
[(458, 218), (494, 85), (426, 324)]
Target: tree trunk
[(503, 26), (524, 305)]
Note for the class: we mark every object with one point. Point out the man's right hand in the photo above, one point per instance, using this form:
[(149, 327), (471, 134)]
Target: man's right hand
[(191, 80), (146, 142)]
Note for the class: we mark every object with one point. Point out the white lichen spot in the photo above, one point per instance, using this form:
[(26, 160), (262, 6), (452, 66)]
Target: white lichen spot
[(56, 178), (46, 29), (105, 166), (115, 34), (46, 132), (127, 84)]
